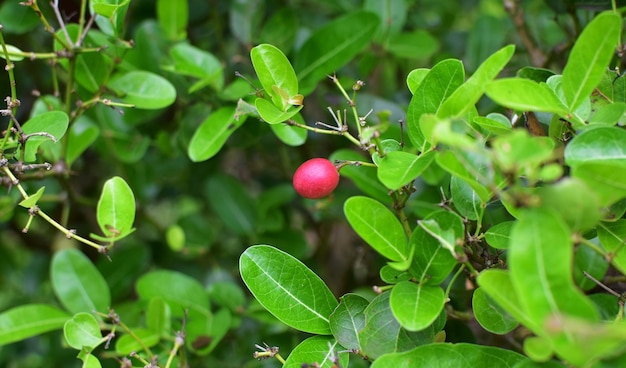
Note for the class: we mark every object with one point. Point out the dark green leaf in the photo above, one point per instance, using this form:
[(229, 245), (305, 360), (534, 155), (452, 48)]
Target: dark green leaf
[(232, 203), (465, 199), (321, 350), (348, 319), (612, 236), (418, 45), (588, 260)]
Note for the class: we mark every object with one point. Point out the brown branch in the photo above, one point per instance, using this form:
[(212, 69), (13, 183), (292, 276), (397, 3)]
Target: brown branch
[(514, 8)]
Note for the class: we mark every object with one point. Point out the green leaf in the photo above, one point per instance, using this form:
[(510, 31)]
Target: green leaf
[(383, 334), (110, 15), (590, 57), (348, 319), (82, 134), (77, 283), (432, 263), (417, 44), (245, 18), (525, 95), (364, 177), (205, 332), (232, 203), (451, 355), (604, 144), (465, 199), (82, 331), (415, 78), (178, 290), (392, 14), (288, 289), (318, 57), (458, 163), (271, 114), (378, 226), (399, 168), (32, 199), (588, 260), (213, 133), (194, 62), (143, 89), (12, 50), (50, 125), (606, 178), (89, 360), (227, 294), (434, 88), (290, 135), (281, 28), (491, 316), (446, 227), (494, 123), (24, 321), (116, 208), (499, 236), (577, 203), (274, 69), (466, 96), (416, 306), (322, 350), (612, 236), (158, 317), (126, 344), (173, 17)]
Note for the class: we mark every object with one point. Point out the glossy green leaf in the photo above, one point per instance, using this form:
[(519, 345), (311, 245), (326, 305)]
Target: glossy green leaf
[(444, 226), (89, 360), (383, 334), (158, 316), (116, 208), (415, 78), (29, 320), (378, 226), (274, 69), (491, 316), (465, 199), (364, 177), (82, 331), (606, 178), (608, 114), (416, 306), (417, 45), (590, 57), (178, 290), (612, 236), (466, 96), (232, 203), (525, 95), (173, 17), (399, 168), (435, 87), (451, 355), (290, 135), (605, 144), (432, 263), (81, 135), (32, 199), (194, 62), (321, 350), (126, 344), (213, 133), (348, 319), (110, 15), (499, 236), (495, 123), (318, 57), (288, 289), (271, 114), (144, 90), (43, 127), (77, 283), (455, 164), (587, 260)]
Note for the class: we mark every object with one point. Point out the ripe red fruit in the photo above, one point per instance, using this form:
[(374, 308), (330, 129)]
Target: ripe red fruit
[(315, 178)]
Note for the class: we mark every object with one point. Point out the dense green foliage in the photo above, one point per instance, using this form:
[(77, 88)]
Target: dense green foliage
[(149, 217)]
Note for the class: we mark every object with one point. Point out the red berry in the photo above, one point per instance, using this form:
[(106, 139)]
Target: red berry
[(315, 178)]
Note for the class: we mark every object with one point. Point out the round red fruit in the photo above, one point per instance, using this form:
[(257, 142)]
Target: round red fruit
[(315, 178)]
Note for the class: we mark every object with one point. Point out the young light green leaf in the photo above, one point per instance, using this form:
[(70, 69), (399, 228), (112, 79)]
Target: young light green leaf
[(89, 360), (399, 168), (491, 316), (415, 78), (271, 114), (178, 290), (378, 226), (605, 177), (116, 208), (461, 355), (15, 54), (416, 306), (29, 320), (194, 62), (50, 125), (288, 134), (32, 199), (321, 350), (577, 203), (274, 69), (173, 17), (348, 319), (590, 57), (77, 283), (82, 331), (495, 123), (318, 57), (383, 334), (213, 133), (144, 90), (525, 95), (466, 96), (287, 289)]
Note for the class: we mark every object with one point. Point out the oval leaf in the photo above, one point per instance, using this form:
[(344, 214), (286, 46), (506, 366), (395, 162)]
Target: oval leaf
[(274, 69), (116, 208), (213, 133), (143, 89), (348, 319), (29, 320), (399, 168), (378, 226), (318, 351), (176, 289), (82, 331), (490, 315), (288, 289), (78, 284), (416, 306)]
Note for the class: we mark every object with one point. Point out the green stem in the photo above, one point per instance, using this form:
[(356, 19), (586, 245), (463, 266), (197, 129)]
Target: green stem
[(458, 272), (326, 131)]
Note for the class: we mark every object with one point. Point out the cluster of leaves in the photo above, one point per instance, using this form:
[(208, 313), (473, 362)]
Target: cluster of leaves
[(476, 217)]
